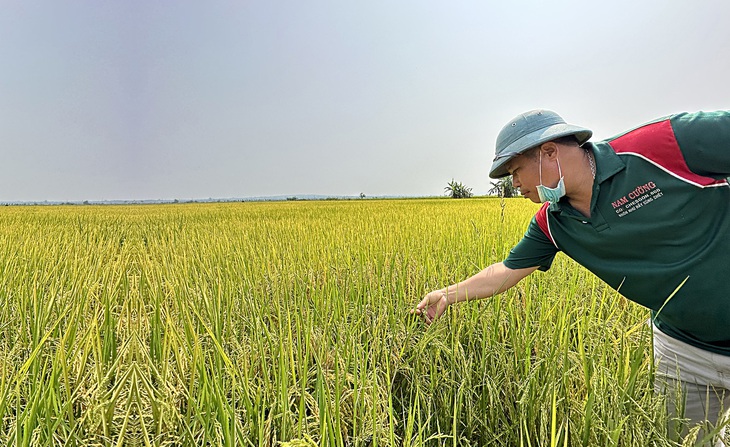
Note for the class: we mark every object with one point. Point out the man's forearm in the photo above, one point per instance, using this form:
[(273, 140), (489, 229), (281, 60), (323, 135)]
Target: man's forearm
[(491, 281)]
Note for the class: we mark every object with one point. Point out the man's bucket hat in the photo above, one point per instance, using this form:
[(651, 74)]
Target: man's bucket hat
[(529, 130)]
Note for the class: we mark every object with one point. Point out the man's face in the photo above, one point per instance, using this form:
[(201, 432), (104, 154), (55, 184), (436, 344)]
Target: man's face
[(525, 173)]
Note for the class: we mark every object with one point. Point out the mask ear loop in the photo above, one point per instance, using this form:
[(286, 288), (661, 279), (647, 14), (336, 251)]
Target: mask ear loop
[(560, 171)]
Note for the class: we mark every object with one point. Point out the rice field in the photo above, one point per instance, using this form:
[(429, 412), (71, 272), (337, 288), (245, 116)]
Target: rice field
[(287, 324)]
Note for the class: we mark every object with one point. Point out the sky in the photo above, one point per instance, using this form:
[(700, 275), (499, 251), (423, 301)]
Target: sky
[(135, 100)]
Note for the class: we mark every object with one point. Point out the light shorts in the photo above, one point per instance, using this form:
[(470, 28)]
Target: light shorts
[(694, 364), (702, 376)]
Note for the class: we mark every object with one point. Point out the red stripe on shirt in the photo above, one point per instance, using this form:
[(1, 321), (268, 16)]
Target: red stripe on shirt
[(656, 143), (541, 218)]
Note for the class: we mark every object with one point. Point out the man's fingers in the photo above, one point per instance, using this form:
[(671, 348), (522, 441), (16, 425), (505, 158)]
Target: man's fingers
[(422, 313), (430, 308)]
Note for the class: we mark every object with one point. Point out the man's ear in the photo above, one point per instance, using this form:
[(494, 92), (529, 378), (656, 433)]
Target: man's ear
[(549, 150)]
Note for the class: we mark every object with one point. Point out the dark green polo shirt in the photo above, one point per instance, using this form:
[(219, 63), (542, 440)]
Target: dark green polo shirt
[(660, 215)]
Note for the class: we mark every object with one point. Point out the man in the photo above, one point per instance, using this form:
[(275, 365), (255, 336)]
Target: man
[(648, 212)]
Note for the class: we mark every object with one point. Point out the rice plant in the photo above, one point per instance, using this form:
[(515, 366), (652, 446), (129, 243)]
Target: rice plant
[(288, 324)]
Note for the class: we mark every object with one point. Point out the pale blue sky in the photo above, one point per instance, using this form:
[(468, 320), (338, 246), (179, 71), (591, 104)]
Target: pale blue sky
[(160, 100)]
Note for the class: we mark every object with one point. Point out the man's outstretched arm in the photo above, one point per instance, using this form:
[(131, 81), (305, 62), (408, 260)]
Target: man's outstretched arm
[(494, 279)]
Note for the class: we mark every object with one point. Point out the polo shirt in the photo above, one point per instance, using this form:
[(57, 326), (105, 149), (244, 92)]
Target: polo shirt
[(659, 230)]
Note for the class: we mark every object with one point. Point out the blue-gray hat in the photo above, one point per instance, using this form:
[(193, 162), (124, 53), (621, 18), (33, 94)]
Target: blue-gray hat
[(529, 130)]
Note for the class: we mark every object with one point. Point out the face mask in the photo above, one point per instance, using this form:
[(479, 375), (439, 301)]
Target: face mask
[(550, 194)]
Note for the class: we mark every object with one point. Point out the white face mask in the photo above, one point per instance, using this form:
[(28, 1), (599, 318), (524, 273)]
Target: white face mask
[(550, 194)]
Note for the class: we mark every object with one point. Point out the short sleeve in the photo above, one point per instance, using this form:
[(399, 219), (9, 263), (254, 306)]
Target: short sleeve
[(534, 250), (704, 139)]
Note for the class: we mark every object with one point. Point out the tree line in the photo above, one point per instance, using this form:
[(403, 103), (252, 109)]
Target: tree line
[(501, 188)]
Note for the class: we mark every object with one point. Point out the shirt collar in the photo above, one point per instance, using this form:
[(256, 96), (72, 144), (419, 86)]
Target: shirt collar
[(608, 164)]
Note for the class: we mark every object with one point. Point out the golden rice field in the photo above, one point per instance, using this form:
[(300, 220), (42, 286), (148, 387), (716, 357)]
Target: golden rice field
[(287, 324)]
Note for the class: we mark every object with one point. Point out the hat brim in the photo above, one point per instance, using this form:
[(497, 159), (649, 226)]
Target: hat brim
[(534, 139)]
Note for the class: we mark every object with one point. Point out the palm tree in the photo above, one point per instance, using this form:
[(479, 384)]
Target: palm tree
[(456, 190), (503, 188)]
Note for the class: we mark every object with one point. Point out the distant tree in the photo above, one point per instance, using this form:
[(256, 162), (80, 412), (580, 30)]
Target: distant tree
[(362, 195), (457, 190), (503, 188)]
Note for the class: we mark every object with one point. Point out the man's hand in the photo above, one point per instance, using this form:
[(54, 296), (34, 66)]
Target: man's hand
[(432, 306)]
